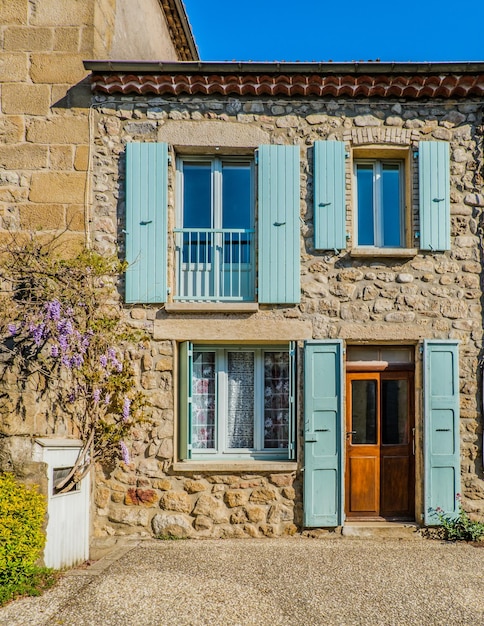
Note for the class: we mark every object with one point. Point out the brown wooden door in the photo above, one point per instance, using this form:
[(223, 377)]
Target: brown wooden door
[(379, 445)]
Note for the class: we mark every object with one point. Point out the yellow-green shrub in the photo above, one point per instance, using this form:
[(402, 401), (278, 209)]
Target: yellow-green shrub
[(22, 512)]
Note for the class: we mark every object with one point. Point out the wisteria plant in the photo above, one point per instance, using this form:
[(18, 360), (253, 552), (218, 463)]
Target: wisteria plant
[(63, 335)]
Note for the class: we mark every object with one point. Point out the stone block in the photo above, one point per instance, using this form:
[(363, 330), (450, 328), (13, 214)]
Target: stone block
[(66, 39), (129, 516), (13, 67), (25, 99), (87, 42), (62, 129), (12, 129), (23, 157), (56, 67), (14, 11), (75, 217), (58, 187), (236, 498), (140, 497), (72, 13), (102, 497), (61, 157), (195, 486), (41, 216), (81, 159), (176, 501), (171, 526), (263, 495), (28, 39)]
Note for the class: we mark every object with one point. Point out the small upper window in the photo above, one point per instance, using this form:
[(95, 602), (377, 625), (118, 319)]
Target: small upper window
[(380, 202)]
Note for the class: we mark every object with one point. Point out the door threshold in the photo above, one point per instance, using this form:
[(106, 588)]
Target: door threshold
[(381, 529)]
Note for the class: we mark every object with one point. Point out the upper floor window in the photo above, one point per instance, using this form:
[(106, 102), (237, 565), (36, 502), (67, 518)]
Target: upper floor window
[(380, 203), (215, 255)]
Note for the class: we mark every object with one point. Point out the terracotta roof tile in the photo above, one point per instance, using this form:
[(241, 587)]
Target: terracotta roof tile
[(287, 85)]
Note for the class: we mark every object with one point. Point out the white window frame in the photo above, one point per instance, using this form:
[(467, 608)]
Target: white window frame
[(221, 392), (377, 164)]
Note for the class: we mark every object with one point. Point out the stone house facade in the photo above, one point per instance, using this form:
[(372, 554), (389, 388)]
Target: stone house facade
[(304, 245)]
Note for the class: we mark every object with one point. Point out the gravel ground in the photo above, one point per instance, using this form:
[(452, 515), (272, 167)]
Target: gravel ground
[(296, 582)]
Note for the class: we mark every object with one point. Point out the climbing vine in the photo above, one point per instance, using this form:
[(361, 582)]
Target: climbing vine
[(64, 342)]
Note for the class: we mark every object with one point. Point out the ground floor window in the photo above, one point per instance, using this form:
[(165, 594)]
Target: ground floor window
[(240, 400)]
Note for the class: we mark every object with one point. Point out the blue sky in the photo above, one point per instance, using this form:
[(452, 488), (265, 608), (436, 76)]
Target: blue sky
[(345, 30)]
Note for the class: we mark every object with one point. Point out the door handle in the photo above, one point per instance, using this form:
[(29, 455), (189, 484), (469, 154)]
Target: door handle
[(349, 433)]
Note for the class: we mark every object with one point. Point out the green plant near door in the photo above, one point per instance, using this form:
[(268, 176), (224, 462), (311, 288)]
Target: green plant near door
[(460, 528)]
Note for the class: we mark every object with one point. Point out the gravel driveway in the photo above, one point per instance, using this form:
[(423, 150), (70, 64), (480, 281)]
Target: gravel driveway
[(296, 581)]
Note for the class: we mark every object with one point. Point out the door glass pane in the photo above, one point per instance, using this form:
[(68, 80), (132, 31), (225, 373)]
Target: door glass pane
[(197, 211), (236, 210), (363, 411), (366, 225), (276, 399), (394, 408), (391, 201), (203, 400), (240, 400)]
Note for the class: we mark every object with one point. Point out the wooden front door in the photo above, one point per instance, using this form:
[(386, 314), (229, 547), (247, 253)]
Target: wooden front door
[(380, 465)]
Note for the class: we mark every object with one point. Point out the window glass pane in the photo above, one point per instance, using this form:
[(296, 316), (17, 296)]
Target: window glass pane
[(391, 201), (197, 211), (363, 411), (240, 400), (236, 211), (276, 399), (203, 400), (236, 196), (197, 195), (59, 474), (366, 223), (394, 407)]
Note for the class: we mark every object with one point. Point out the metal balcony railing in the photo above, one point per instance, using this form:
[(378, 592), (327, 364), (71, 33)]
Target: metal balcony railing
[(215, 264)]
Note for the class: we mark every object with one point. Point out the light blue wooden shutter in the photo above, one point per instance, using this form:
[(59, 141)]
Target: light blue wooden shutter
[(185, 368), (279, 242), (323, 396), (146, 221), (441, 432), (329, 195), (434, 193)]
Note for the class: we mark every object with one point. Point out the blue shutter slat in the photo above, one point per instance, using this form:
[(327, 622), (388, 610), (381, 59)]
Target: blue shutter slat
[(323, 396), (278, 204), (146, 222), (329, 195), (434, 193), (441, 428)]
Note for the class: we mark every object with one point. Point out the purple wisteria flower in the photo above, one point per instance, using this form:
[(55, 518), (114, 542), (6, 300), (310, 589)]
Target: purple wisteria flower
[(103, 359), (126, 405), (38, 332), (96, 395), (53, 310), (77, 360), (54, 351), (12, 329), (125, 452)]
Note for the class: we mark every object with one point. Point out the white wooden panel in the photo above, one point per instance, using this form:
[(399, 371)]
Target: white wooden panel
[(68, 514)]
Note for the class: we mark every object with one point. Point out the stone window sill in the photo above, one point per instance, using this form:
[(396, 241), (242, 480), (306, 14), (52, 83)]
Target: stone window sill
[(384, 252), (215, 307), (235, 466)]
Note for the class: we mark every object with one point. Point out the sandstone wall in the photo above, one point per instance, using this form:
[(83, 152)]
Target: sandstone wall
[(373, 299)]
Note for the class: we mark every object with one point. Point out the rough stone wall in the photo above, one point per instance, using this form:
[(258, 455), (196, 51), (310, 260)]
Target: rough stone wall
[(375, 299)]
